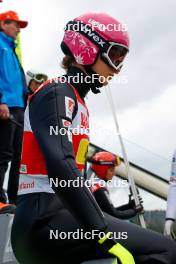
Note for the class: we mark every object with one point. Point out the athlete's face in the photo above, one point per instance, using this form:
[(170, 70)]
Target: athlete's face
[(10, 28), (105, 71), (110, 173)]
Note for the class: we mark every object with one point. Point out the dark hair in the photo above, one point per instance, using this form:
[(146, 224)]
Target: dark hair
[(67, 62)]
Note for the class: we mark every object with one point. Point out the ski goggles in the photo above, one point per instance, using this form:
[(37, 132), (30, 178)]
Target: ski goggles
[(112, 55), (39, 77), (115, 162)]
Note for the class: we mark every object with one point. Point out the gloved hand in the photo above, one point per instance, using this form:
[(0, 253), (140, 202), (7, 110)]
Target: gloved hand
[(168, 229), (132, 205), (109, 245)]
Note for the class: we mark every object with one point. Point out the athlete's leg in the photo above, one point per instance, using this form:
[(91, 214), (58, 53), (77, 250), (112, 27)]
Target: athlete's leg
[(36, 216), (33, 226), (147, 246), (15, 162), (7, 129)]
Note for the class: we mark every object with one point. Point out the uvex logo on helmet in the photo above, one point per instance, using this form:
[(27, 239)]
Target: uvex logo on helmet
[(93, 35), (86, 30)]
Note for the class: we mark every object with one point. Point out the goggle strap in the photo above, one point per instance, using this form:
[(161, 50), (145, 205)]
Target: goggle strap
[(98, 162), (30, 74)]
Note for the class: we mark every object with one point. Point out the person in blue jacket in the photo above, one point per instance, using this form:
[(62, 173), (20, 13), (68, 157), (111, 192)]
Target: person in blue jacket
[(12, 103)]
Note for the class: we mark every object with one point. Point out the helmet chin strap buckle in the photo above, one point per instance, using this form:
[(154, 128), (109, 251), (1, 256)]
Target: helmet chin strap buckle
[(96, 83)]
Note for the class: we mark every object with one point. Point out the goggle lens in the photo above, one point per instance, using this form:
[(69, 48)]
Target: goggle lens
[(115, 55), (40, 78)]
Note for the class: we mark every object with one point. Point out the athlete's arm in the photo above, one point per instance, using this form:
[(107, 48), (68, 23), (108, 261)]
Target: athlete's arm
[(49, 107), (124, 207), (102, 197), (171, 198), (171, 210), (171, 202)]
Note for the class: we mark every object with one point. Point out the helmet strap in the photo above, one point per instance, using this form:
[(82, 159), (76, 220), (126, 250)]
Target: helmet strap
[(96, 83)]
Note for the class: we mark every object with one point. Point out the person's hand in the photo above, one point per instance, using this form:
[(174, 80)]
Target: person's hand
[(4, 111), (168, 229), (109, 245), (139, 208)]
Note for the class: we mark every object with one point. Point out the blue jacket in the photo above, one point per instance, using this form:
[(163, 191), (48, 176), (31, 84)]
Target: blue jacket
[(12, 80)]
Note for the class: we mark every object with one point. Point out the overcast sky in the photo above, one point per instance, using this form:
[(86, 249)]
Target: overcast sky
[(146, 103)]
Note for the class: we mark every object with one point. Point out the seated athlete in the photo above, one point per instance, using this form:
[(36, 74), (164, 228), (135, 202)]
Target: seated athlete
[(47, 157), (104, 165)]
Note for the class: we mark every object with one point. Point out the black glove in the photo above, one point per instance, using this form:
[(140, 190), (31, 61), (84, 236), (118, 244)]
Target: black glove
[(139, 208)]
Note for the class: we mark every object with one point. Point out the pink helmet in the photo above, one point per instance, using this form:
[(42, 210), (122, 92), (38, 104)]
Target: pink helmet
[(92, 34)]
